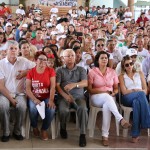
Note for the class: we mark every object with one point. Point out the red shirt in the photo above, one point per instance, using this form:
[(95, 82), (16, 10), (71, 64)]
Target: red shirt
[(39, 44), (141, 20), (41, 82), (2, 12)]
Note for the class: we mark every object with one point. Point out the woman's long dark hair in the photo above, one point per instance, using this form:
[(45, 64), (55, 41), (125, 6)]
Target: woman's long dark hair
[(57, 60)]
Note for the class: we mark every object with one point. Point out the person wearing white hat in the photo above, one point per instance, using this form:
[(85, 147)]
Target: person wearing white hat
[(8, 31), (133, 54), (20, 10), (53, 11)]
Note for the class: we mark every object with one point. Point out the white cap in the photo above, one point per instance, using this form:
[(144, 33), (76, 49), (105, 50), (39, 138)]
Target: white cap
[(25, 25), (8, 24), (131, 52), (61, 37), (58, 18), (53, 32), (49, 24)]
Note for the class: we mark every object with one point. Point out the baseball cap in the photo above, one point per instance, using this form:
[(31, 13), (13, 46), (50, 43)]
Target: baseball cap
[(49, 24), (25, 25), (8, 24), (61, 37), (131, 52), (20, 5)]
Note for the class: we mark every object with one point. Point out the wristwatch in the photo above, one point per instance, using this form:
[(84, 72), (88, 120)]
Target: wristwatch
[(77, 85)]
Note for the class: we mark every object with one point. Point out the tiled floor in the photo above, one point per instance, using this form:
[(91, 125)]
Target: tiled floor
[(71, 143)]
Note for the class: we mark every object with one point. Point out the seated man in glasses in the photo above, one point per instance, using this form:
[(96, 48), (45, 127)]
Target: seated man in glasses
[(70, 84)]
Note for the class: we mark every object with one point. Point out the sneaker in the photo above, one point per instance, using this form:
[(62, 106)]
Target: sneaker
[(44, 135), (82, 140), (5, 138), (63, 134), (18, 137), (36, 132)]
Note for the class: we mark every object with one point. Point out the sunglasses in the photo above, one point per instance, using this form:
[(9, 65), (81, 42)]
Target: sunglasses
[(134, 56), (100, 45), (129, 64)]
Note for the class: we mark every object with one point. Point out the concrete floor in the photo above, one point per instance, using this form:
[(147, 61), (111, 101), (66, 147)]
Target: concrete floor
[(71, 143)]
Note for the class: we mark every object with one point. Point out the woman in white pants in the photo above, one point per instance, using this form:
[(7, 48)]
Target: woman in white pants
[(103, 86)]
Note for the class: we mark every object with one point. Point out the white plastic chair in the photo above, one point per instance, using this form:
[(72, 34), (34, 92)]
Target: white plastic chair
[(92, 120), (50, 130)]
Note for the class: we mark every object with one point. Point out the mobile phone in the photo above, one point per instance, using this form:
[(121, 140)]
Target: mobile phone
[(79, 34)]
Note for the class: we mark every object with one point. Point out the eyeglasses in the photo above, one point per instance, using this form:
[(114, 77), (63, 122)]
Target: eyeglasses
[(100, 45), (42, 59), (129, 64), (69, 56), (44, 30), (112, 44), (134, 56)]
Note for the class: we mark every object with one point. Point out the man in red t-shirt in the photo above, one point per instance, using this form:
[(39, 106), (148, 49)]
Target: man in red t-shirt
[(38, 41)]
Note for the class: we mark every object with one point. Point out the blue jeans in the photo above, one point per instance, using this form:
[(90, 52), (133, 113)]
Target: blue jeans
[(49, 115), (141, 111)]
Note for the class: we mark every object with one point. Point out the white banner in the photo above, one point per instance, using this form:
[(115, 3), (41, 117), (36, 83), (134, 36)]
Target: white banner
[(59, 2)]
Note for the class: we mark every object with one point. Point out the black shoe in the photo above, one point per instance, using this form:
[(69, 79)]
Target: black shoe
[(18, 137), (5, 138), (63, 134), (82, 140)]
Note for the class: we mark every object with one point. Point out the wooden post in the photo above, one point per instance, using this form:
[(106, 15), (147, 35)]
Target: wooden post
[(131, 6)]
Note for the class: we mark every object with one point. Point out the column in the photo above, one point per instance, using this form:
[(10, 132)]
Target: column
[(131, 6)]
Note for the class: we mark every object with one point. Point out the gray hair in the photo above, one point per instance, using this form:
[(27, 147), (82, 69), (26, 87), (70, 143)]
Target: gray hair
[(66, 51), (11, 42)]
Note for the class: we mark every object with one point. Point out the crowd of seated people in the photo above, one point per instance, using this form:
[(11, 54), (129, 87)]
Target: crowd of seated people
[(97, 49)]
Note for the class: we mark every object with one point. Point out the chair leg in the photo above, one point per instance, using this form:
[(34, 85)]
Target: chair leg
[(126, 117), (53, 128), (57, 125), (27, 131), (77, 121), (92, 121), (148, 131), (117, 127)]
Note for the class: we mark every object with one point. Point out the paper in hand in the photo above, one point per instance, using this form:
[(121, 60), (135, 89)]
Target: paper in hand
[(41, 109)]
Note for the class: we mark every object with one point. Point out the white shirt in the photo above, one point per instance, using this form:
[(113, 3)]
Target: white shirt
[(54, 12), (81, 12), (20, 11), (8, 72), (128, 14), (117, 56), (60, 28), (133, 84), (142, 55)]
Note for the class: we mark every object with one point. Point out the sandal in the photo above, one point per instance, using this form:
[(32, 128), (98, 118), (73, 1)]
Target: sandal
[(135, 139), (125, 124)]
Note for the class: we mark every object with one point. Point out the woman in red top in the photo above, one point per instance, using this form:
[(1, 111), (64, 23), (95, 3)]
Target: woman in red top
[(40, 86), (142, 19)]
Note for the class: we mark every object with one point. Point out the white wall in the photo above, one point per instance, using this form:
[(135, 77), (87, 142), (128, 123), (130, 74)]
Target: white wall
[(107, 3)]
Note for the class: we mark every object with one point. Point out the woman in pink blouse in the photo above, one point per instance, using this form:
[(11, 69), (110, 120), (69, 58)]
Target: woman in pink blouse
[(103, 86)]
